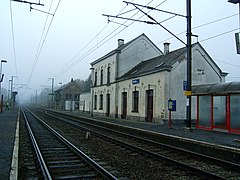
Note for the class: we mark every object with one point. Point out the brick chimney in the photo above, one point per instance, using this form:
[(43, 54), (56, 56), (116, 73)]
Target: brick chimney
[(120, 42), (166, 47)]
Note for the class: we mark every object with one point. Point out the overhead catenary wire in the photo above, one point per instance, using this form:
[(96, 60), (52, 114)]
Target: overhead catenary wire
[(215, 36), (40, 45), (103, 41), (13, 40), (75, 56), (199, 26), (234, 65), (57, 75), (40, 50)]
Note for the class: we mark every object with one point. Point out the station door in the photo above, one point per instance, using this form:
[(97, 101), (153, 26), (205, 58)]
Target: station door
[(124, 105), (149, 105), (107, 104)]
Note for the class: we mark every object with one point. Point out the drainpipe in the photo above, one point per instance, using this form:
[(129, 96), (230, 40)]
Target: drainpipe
[(116, 88)]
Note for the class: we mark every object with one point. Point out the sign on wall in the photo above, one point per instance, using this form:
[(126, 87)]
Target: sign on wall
[(135, 81), (172, 105)]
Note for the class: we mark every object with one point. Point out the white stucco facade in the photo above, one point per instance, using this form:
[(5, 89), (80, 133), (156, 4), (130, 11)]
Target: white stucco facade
[(144, 97), (154, 82), (85, 102), (204, 71), (107, 69)]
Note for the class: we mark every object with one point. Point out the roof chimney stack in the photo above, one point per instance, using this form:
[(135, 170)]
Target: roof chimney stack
[(166, 47), (120, 42)]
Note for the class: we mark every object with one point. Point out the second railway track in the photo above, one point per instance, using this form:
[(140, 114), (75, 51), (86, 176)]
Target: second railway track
[(189, 162)]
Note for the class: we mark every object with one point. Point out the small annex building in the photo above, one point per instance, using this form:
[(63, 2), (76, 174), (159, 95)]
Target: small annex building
[(136, 80), (67, 96), (144, 91), (218, 106)]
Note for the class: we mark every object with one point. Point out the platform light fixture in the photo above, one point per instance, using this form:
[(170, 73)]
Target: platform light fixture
[(237, 35)]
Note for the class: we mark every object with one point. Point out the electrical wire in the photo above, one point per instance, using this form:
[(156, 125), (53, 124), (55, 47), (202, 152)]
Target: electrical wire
[(221, 34), (40, 45), (202, 25), (44, 40), (44, 27), (13, 39), (72, 59), (103, 41), (234, 65)]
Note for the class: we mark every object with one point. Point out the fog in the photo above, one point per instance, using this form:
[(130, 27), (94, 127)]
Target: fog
[(39, 46)]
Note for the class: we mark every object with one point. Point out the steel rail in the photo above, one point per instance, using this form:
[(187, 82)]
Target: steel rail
[(43, 166), (216, 160), (91, 162), (144, 151)]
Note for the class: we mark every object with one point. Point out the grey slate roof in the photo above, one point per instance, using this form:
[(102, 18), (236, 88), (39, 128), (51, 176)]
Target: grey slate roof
[(72, 82), (159, 63)]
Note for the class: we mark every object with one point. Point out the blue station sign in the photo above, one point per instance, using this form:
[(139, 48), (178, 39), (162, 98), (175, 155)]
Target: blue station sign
[(135, 81)]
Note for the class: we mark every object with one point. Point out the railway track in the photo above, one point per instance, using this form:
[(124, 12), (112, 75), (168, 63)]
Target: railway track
[(57, 157), (194, 163)]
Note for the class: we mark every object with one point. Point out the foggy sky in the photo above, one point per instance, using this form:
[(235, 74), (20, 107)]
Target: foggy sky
[(78, 33)]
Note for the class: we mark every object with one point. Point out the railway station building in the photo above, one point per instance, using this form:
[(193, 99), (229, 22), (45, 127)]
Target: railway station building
[(136, 80)]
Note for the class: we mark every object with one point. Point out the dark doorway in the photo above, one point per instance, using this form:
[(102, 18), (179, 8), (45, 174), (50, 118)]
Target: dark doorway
[(149, 105), (107, 104), (124, 105)]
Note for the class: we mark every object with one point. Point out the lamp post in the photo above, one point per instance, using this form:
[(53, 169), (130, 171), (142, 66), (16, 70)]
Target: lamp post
[(237, 35), (1, 79), (9, 87), (52, 91), (92, 88), (236, 2), (11, 91), (60, 103)]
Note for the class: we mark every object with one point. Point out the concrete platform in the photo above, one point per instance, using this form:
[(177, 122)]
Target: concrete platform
[(217, 136), (8, 122)]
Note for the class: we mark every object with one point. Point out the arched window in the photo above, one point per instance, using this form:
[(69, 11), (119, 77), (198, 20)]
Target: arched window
[(101, 77), (95, 78), (108, 75)]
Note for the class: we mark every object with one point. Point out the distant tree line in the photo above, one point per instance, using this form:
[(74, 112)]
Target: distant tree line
[(84, 84)]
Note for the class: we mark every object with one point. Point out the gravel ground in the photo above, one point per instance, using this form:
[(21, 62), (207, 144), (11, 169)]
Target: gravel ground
[(178, 129), (128, 164)]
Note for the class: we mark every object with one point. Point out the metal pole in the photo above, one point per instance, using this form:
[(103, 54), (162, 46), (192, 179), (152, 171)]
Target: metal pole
[(36, 97), (1, 99), (239, 15), (11, 103), (1, 88), (52, 91), (189, 65), (9, 81)]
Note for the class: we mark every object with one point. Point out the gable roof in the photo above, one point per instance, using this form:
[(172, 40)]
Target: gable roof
[(121, 47), (159, 63), (162, 63), (69, 84)]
